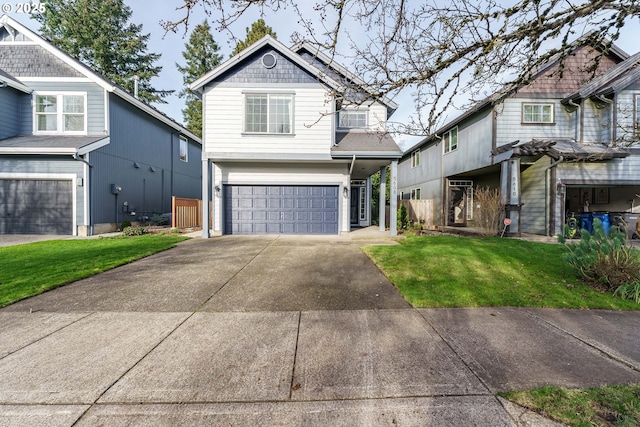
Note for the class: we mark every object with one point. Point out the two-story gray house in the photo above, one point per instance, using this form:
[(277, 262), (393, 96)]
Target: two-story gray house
[(78, 154), (284, 152), (562, 145)]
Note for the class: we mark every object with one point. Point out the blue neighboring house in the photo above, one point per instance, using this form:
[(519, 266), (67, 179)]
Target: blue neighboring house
[(79, 154)]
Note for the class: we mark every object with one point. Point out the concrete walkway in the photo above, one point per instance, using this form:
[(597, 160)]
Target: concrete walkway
[(286, 331)]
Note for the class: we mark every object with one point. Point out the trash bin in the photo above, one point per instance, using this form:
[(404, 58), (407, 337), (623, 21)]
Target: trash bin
[(586, 222), (604, 219)]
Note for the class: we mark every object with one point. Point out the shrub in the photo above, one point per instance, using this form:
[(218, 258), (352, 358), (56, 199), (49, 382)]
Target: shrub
[(126, 223), (159, 220), (135, 231), (605, 261), (629, 291), (490, 210), (403, 218)]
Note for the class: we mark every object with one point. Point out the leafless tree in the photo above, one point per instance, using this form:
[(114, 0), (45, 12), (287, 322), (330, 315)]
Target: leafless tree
[(447, 54)]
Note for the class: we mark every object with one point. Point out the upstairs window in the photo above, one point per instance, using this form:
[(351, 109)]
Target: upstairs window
[(352, 119), (537, 113), (415, 159), (637, 113), (184, 149), (268, 113), (60, 113), (450, 140)]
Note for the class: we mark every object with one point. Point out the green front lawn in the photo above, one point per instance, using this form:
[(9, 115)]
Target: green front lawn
[(602, 406), (456, 271), (27, 270)]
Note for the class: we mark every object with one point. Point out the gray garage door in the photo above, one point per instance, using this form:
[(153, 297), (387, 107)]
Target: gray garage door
[(281, 209), (36, 207)]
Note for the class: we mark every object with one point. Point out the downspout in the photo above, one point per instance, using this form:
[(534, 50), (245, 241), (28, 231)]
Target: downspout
[(353, 162), (75, 156), (546, 192)]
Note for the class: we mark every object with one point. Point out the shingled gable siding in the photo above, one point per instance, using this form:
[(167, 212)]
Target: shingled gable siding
[(33, 61), (573, 76), (252, 71)]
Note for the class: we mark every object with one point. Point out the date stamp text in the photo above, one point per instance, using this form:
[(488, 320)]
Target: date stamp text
[(28, 8)]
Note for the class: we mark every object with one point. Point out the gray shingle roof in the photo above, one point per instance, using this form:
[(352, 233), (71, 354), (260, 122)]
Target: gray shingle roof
[(569, 149), (47, 143), (365, 144), (33, 61)]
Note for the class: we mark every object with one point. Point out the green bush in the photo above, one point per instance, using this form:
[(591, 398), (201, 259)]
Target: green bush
[(403, 218), (126, 223), (629, 291), (159, 220), (605, 261), (135, 231)]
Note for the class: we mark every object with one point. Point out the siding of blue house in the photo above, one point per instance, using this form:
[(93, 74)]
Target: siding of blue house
[(10, 102), (140, 158)]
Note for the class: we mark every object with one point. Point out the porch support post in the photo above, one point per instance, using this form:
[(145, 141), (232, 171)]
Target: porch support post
[(393, 196), (382, 203), (205, 199)]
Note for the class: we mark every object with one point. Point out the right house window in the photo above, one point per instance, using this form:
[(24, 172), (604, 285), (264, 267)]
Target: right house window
[(537, 113), (450, 139)]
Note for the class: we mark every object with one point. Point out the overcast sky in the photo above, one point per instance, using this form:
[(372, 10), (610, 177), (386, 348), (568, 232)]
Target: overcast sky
[(150, 13)]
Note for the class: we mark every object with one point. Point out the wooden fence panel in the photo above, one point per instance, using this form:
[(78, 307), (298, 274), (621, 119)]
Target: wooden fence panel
[(186, 213), (419, 210)]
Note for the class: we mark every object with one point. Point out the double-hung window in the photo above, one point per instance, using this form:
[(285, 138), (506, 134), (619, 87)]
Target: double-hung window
[(268, 113), (450, 140), (352, 119), (537, 113), (61, 113), (415, 194), (415, 158)]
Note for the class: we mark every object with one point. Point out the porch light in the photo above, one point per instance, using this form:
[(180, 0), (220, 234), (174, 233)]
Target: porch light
[(345, 191)]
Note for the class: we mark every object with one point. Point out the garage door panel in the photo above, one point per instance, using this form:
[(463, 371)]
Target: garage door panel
[(281, 209), (36, 207)]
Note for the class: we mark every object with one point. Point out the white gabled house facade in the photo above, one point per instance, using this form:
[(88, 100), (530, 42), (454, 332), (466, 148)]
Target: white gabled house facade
[(281, 155)]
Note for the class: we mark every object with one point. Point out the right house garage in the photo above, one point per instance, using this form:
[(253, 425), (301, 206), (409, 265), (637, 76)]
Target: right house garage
[(281, 209)]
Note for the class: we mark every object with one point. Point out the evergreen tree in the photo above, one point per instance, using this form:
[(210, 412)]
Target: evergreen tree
[(258, 30), (201, 55), (98, 33)]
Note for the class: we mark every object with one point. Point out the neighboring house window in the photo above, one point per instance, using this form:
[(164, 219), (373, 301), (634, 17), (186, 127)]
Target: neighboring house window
[(415, 159), (637, 113), (353, 119), (268, 113), (415, 194), (184, 149), (537, 113), (450, 140), (60, 113)]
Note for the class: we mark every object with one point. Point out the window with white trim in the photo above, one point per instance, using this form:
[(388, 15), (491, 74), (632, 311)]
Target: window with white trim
[(353, 119), (184, 149), (537, 113), (415, 194), (60, 113), (268, 113), (450, 140), (415, 158)]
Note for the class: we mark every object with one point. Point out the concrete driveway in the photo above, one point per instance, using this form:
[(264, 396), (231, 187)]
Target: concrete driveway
[(285, 331)]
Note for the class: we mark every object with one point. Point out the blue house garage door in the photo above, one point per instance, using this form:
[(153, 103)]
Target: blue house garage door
[(36, 207), (281, 209)]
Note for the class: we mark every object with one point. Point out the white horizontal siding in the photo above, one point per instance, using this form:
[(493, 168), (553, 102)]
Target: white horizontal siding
[(616, 171), (625, 114), (377, 117), (510, 127), (313, 124), (474, 147), (596, 124)]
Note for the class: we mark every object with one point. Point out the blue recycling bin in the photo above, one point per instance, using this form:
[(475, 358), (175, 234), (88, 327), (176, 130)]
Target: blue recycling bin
[(604, 219), (586, 222)]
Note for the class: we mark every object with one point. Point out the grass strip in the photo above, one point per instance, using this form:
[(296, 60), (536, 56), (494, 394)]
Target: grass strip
[(30, 269)]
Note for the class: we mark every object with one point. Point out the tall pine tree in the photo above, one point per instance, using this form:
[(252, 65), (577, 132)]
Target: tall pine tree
[(258, 30), (201, 56), (98, 33)]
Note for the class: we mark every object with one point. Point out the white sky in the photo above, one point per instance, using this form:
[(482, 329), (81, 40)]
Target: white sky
[(284, 23)]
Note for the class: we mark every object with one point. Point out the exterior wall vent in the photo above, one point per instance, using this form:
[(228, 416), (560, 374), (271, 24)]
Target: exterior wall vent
[(269, 60)]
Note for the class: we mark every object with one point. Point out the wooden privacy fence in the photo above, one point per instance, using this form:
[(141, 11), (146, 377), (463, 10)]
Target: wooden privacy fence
[(186, 213), (419, 210)]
